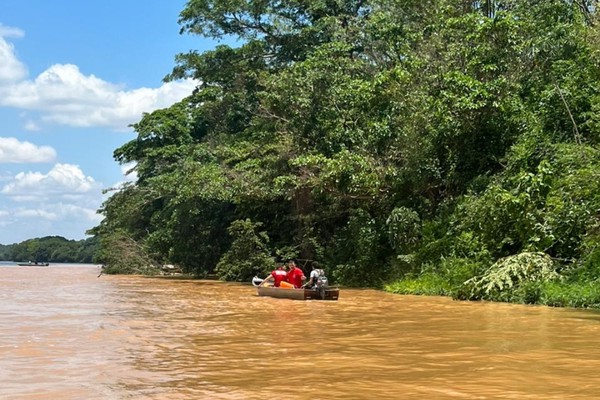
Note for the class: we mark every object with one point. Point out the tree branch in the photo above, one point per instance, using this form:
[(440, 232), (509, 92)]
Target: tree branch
[(577, 136)]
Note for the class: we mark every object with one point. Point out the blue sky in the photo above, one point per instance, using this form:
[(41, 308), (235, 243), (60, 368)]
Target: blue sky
[(73, 75)]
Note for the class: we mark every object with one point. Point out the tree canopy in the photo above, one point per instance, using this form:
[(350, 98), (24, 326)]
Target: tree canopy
[(385, 139)]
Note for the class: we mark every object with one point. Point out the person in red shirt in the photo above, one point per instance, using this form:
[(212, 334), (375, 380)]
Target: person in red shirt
[(295, 276), (279, 275)]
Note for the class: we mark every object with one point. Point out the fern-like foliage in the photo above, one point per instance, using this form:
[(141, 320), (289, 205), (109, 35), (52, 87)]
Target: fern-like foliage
[(510, 272)]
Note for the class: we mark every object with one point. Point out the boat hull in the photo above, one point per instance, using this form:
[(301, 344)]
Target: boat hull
[(33, 264), (298, 294)]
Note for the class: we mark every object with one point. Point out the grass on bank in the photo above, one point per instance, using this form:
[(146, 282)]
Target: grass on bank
[(554, 294), (526, 278)]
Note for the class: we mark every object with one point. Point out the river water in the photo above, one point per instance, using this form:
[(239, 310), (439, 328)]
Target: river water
[(66, 333)]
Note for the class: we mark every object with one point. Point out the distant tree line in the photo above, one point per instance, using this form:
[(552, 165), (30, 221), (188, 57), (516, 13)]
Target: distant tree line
[(450, 146), (51, 249)]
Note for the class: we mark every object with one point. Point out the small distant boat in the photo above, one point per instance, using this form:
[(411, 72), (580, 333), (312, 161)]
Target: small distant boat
[(33, 264)]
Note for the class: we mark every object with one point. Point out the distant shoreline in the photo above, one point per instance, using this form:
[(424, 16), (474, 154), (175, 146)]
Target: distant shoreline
[(51, 264)]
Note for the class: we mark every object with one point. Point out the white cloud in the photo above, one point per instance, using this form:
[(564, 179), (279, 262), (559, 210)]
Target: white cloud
[(59, 211), (11, 68), (62, 201), (36, 213), (65, 96), (68, 220), (76, 211), (65, 181), (31, 126), (15, 151), (9, 31)]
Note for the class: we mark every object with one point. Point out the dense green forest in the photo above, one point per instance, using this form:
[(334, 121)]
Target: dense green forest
[(51, 249), (438, 147)]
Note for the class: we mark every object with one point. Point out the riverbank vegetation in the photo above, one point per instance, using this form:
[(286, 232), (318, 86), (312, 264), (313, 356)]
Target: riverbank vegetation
[(51, 249), (450, 147)]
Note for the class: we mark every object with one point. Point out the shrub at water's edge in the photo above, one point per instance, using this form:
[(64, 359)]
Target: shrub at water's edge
[(248, 255), (526, 278), (531, 237)]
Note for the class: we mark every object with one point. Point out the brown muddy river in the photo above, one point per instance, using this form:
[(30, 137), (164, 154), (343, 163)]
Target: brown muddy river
[(67, 334)]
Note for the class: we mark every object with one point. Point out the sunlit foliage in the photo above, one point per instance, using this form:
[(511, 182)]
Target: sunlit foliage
[(388, 140)]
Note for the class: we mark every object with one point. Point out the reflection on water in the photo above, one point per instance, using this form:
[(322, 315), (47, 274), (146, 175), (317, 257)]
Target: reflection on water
[(66, 334)]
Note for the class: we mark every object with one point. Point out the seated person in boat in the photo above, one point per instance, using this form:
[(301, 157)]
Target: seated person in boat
[(317, 277), (295, 276), (279, 275)]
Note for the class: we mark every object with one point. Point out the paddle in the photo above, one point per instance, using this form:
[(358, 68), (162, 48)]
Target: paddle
[(267, 279), (256, 281)]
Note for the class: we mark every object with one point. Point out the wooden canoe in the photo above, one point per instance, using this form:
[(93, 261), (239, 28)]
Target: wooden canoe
[(298, 294)]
